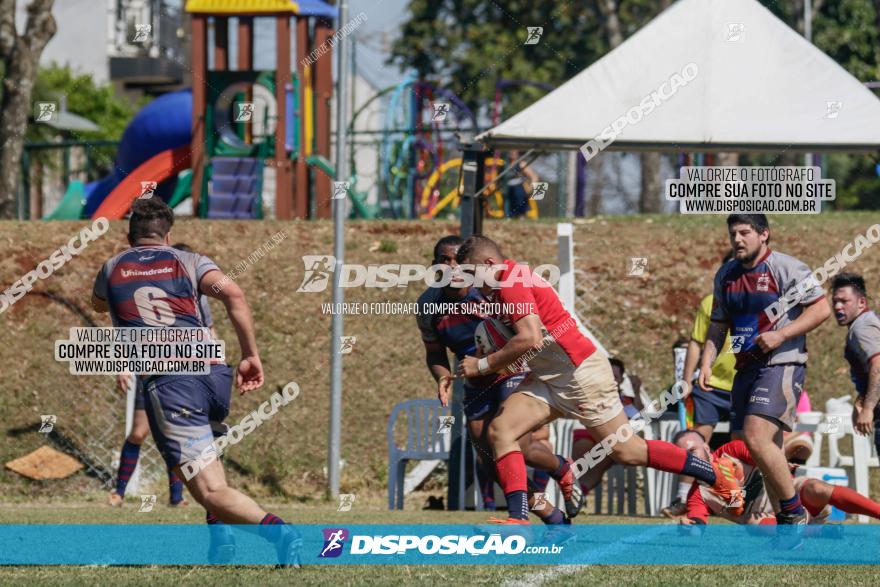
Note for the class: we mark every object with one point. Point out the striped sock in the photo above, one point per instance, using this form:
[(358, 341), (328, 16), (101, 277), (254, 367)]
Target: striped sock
[(128, 460), (511, 471), (211, 519), (792, 505), (540, 479), (562, 469), (271, 527), (175, 488)]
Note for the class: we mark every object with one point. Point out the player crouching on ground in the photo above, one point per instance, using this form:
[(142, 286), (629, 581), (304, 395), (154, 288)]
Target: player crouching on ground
[(568, 378), (816, 496), (132, 286)]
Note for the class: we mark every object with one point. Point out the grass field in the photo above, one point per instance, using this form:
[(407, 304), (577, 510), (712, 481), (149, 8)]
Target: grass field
[(282, 464), (622, 575)]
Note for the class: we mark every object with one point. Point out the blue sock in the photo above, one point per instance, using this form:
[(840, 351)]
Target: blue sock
[(272, 527), (555, 517), (518, 504), (562, 469), (699, 469), (487, 488), (791, 506), (540, 479), (127, 462), (175, 488)]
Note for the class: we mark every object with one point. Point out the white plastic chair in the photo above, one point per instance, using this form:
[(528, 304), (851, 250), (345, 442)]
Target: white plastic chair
[(620, 486), (839, 424), (837, 412), (814, 424)]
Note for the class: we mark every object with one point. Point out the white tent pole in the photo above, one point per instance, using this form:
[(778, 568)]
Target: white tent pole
[(808, 33)]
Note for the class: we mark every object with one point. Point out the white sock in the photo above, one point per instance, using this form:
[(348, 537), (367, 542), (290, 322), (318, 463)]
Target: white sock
[(683, 490)]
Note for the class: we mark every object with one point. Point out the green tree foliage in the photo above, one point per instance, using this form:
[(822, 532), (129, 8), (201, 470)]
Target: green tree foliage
[(467, 45), (97, 103)]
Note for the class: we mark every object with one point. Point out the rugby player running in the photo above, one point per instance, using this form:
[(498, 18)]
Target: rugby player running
[(447, 319), (153, 285), (568, 378), (771, 355), (140, 427)]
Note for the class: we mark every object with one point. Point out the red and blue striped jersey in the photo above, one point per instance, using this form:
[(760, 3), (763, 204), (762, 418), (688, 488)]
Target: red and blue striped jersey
[(742, 297), (455, 329), (154, 286)]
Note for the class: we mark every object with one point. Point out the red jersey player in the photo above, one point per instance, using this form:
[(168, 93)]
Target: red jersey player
[(568, 378), (816, 496)]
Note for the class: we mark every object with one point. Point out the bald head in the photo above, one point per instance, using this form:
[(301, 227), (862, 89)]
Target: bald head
[(693, 442), (478, 249)]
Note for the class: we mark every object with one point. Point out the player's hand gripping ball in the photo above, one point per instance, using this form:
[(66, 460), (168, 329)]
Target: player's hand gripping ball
[(491, 335)]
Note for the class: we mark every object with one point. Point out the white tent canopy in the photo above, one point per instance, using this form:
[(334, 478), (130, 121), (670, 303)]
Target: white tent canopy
[(759, 85)]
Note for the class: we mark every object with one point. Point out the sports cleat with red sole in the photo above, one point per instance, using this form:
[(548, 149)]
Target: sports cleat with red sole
[(508, 521), (727, 485), (506, 527), (572, 494)]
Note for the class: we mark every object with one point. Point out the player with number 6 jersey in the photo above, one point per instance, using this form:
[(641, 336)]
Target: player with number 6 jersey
[(153, 285)]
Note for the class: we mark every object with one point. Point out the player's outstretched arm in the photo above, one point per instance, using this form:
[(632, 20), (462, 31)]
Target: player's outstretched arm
[(249, 375), (438, 365), (714, 342)]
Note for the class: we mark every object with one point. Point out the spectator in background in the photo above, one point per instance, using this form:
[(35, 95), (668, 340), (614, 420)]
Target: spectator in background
[(704, 408), (518, 188)]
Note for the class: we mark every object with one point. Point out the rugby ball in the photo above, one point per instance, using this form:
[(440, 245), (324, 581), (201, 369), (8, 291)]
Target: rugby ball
[(491, 334)]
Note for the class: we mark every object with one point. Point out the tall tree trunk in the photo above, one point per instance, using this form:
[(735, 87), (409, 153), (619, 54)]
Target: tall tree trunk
[(609, 8), (649, 197), (594, 208), (20, 55)]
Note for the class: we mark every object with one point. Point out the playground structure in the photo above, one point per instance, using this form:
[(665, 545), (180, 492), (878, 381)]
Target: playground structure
[(197, 143), (212, 142), (227, 165), (418, 166)]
